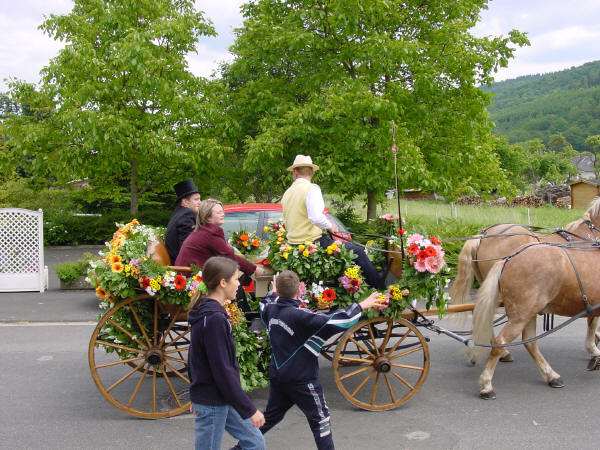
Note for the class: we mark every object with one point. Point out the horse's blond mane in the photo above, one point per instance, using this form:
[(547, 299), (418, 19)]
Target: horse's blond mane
[(592, 213)]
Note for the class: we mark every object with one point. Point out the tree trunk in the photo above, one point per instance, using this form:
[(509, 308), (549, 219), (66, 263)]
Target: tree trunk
[(371, 205), (133, 187)]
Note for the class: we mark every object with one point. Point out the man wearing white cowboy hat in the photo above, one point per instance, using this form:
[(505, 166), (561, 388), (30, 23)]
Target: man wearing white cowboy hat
[(305, 220)]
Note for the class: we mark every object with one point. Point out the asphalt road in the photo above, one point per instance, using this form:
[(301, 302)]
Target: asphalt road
[(50, 402)]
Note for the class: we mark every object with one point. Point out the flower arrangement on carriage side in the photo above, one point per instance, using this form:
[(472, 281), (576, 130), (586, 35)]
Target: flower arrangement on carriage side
[(129, 268), (247, 243), (425, 274), (319, 268)]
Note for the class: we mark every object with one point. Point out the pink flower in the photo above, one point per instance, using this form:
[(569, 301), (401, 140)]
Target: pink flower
[(301, 290), (414, 238), (419, 265), (388, 217), (433, 264)]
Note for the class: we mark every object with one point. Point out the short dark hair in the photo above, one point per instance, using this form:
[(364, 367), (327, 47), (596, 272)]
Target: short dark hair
[(287, 283)]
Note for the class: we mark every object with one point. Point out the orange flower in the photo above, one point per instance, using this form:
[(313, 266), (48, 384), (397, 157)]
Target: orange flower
[(101, 293), (255, 243), (117, 267), (244, 237), (245, 244), (114, 259)]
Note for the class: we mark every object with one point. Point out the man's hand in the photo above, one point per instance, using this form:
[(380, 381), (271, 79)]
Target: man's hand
[(375, 300), (258, 420), (333, 228)]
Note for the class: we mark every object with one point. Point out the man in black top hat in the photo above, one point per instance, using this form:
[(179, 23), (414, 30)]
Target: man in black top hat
[(183, 220)]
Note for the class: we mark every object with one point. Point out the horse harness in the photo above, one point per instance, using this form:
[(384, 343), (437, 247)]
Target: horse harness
[(586, 312)]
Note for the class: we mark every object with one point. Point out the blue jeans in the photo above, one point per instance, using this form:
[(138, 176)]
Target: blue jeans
[(211, 421)]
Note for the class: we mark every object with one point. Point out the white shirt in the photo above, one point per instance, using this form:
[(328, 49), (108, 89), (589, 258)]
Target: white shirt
[(315, 206)]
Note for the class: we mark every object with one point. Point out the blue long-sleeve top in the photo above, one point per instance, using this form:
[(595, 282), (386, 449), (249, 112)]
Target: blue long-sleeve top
[(297, 336), (212, 365)]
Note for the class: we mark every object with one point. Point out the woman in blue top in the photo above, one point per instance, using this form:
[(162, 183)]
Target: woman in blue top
[(218, 400)]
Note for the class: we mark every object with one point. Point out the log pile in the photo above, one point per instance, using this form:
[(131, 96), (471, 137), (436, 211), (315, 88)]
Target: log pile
[(550, 192), (528, 201), (472, 200)]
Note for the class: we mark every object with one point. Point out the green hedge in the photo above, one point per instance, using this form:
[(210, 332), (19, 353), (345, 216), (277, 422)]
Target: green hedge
[(68, 229)]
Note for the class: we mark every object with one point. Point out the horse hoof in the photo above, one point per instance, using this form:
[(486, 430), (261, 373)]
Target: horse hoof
[(557, 383), (507, 358), (488, 395), (594, 363)]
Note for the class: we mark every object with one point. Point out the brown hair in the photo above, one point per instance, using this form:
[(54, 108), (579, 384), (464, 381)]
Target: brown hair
[(205, 211), (215, 269), (287, 283)]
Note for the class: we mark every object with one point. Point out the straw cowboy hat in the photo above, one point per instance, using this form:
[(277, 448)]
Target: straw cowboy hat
[(303, 161)]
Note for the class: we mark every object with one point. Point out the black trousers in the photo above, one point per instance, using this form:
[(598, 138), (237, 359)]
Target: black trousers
[(309, 398)]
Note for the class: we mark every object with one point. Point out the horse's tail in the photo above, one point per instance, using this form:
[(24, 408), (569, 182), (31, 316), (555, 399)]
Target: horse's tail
[(465, 273), (487, 301), (460, 289)]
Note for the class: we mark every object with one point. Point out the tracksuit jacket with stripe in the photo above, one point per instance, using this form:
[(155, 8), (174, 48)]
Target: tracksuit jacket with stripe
[(297, 335)]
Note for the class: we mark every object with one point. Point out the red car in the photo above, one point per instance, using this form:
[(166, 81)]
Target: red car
[(252, 217)]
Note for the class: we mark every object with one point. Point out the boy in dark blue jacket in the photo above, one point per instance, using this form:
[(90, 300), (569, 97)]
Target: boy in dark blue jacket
[(296, 336)]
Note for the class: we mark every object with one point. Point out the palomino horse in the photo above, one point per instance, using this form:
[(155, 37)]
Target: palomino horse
[(560, 279), (500, 241)]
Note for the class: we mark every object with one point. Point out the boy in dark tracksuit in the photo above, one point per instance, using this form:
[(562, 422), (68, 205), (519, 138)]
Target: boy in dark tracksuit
[(296, 336)]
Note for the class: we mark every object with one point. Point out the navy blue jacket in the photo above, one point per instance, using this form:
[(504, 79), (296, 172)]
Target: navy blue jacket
[(181, 224), (212, 365), (297, 335)]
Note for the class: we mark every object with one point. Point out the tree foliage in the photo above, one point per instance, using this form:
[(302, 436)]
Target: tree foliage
[(118, 104), (328, 78), (537, 106)]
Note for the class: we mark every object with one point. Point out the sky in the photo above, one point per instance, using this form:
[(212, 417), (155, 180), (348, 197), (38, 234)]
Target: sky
[(563, 34)]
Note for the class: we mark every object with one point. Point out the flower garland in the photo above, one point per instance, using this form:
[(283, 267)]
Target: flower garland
[(128, 268)]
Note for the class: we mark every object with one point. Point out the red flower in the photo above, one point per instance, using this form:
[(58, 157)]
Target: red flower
[(244, 237), (427, 252), (179, 282), (435, 240), (401, 231), (413, 249), (265, 262), (145, 282), (329, 295)]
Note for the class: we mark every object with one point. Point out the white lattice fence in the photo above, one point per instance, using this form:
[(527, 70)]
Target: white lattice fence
[(22, 250)]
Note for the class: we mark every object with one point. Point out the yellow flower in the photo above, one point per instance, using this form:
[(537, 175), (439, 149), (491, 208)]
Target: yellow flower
[(155, 285), (329, 251), (305, 253), (266, 229), (285, 255), (235, 313), (117, 267), (301, 247), (352, 272)]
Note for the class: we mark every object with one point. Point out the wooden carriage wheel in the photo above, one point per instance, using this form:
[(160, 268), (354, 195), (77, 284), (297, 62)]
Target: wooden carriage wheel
[(392, 357), (147, 375)]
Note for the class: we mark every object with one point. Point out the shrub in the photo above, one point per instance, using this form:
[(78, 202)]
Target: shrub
[(69, 272)]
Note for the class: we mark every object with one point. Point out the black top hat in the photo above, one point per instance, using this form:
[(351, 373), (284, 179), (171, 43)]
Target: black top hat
[(185, 188)]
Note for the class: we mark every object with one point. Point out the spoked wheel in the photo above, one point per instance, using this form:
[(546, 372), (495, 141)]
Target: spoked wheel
[(392, 357), (141, 367)]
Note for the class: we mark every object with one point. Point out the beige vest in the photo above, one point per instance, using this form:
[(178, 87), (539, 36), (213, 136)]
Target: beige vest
[(298, 228)]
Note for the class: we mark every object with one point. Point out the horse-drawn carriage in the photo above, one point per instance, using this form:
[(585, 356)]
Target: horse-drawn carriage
[(138, 350)]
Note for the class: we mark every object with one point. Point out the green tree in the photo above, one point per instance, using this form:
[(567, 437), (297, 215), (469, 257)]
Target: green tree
[(328, 78), (122, 108), (548, 165), (593, 144)]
